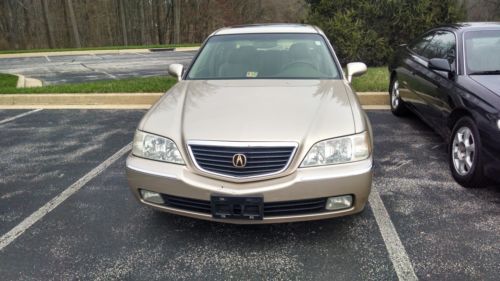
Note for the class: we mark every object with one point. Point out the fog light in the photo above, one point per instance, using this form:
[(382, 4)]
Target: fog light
[(152, 197), (339, 202)]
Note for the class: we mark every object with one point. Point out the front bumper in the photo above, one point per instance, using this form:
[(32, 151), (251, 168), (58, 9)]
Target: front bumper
[(304, 183)]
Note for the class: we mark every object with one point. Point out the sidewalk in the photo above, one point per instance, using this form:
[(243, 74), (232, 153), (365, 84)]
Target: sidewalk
[(93, 52)]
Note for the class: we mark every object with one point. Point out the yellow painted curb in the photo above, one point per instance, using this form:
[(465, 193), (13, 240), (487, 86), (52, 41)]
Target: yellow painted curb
[(369, 100), (115, 99), (373, 98)]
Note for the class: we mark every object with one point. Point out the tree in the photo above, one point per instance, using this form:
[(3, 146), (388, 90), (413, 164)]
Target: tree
[(369, 30)]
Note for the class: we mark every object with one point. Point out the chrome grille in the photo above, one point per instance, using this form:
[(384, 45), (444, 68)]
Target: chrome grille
[(262, 158)]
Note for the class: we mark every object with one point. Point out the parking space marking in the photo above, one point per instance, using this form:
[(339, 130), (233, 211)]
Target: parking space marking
[(397, 252), (19, 116), (18, 230)]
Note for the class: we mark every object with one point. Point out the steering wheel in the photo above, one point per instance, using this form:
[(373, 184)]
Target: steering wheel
[(290, 64)]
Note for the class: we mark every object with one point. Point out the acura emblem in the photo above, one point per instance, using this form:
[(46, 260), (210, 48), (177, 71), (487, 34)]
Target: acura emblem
[(239, 160)]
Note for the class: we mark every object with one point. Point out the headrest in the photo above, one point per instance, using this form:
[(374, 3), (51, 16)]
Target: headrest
[(242, 55), (299, 51)]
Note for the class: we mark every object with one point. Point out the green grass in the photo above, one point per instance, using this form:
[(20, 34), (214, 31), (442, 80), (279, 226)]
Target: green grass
[(133, 85), (98, 48), (7, 80), (376, 79)]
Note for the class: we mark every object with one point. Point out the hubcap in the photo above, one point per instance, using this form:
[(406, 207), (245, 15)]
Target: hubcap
[(395, 95), (463, 151)]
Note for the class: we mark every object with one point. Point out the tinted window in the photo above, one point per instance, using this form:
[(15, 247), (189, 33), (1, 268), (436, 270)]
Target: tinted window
[(419, 46), (441, 46), (265, 56)]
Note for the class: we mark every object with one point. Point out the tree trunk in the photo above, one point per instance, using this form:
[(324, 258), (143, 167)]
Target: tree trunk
[(50, 33), (124, 25), (71, 12), (177, 21)]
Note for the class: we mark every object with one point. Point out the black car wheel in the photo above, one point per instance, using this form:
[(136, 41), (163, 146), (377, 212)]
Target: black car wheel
[(465, 154), (397, 106)]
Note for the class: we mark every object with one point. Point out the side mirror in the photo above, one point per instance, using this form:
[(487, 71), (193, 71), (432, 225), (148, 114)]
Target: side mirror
[(355, 69), (440, 65), (176, 70)]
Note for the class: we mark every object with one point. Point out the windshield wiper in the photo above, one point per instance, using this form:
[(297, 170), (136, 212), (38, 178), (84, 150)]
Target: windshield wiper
[(486, 72)]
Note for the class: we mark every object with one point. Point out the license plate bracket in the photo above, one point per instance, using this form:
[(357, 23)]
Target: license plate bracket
[(243, 208)]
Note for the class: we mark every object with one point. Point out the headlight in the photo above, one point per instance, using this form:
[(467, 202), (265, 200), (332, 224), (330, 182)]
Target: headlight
[(156, 148), (339, 150), (498, 124)]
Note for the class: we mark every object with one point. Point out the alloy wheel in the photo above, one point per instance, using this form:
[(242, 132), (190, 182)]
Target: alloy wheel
[(463, 151), (395, 95)]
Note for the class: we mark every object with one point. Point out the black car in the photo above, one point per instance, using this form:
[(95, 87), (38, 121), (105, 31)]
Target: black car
[(450, 78)]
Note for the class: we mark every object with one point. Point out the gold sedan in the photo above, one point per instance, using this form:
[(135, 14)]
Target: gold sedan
[(263, 127)]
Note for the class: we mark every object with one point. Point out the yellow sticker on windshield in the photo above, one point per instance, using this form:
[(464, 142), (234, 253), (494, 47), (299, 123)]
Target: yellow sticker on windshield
[(252, 74)]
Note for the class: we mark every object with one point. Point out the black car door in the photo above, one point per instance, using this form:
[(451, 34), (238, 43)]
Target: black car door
[(433, 86), (415, 67)]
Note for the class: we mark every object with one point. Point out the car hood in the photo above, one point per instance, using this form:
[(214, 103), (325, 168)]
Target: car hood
[(491, 82), (303, 111)]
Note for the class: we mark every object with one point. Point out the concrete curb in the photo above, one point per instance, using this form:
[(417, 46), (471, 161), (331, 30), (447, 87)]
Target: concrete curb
[(369, 100), (89, 52), (186, 49), (374, 98), (24, 82), (110, 100)]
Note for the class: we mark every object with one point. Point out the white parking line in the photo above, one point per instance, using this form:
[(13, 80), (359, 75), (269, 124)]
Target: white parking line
[(19, 229), (395, 248), (19, 116)]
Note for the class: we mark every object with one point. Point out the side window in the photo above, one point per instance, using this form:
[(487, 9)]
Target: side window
[(441, 46), (419, 45)]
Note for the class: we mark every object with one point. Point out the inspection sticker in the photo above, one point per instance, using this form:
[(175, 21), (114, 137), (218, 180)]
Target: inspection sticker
[(252, 74)]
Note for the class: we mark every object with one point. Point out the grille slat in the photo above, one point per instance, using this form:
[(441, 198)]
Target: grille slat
[(200, 159), (248, 167), (240, 173), (293, 204), (292, 210), (261, 160), (187, 204)]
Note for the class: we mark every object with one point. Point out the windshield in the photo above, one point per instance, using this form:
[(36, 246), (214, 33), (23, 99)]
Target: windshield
[(482, 50), (265, 56)]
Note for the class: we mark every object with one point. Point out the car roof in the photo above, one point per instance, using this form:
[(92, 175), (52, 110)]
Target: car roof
[(268, 28)]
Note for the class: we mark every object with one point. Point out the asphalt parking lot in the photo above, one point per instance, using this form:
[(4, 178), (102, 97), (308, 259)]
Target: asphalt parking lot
[(66, 213), (85, 68)]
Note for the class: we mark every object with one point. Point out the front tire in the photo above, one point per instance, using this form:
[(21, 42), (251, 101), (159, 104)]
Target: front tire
[(398, 107), (465, 154)]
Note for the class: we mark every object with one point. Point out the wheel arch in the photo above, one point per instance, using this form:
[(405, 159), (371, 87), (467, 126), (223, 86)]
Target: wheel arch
[(456, 114), (393, 74)]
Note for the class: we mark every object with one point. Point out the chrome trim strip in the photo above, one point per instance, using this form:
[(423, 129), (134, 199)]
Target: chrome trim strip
[(463, 52), (242, 144)]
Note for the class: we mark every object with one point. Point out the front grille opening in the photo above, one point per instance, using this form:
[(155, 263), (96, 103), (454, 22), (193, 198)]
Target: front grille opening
[(260, 161), (271, 209)]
